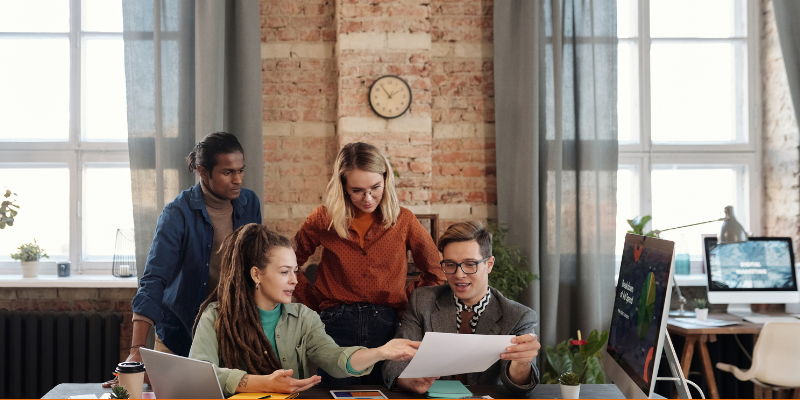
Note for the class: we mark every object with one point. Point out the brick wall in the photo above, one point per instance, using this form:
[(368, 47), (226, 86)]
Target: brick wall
[(443, 147), (780, 137), (300, 89), (75, 299), (464, 175)]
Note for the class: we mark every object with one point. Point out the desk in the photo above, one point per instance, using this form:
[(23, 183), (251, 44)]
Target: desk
[(64, 390), (700, 335)]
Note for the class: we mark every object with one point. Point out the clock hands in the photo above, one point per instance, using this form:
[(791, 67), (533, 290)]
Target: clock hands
[(387, 92)]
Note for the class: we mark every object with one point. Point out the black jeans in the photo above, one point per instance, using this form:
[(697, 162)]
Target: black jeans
[(361, 324)]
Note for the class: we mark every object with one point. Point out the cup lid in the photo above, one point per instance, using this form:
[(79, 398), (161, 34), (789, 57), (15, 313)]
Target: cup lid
[(129, 367)]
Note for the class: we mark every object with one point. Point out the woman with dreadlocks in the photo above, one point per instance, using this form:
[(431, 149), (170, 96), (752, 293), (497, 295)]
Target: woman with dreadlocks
[(261, 342)]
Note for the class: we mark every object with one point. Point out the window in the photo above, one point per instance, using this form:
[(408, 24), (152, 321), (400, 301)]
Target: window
[(63, 129), (688, 116)]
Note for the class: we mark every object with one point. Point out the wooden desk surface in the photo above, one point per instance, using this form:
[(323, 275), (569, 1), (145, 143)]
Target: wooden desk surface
[(607, 391), (686, 328)]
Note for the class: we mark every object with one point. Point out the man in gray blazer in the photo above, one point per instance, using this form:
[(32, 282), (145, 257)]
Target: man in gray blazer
[(466, 304)]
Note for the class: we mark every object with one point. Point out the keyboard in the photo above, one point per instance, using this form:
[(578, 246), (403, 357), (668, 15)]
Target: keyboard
[(765, 319)]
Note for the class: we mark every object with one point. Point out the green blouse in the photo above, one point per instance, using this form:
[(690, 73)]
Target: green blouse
[(299, 338)]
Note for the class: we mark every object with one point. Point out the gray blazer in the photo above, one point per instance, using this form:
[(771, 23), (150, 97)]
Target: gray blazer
[(433, 309)]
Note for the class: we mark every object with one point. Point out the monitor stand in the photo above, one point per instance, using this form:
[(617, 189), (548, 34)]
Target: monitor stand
[(675, 369), (742, 311)]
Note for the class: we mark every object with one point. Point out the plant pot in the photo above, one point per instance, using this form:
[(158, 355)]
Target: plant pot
[(30, 269), (701, 313), (570, 392)]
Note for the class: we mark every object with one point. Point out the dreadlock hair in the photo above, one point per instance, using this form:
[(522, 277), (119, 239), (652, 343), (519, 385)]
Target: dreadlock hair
[(241, 337)]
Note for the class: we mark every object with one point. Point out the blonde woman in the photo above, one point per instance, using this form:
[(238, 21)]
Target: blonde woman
[(361, 279)]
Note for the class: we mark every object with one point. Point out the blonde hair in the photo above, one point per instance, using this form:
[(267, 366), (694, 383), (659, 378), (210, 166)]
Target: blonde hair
[(364, 157)]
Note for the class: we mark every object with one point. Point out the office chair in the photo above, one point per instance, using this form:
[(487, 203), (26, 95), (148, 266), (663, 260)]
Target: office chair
[(776, 360)]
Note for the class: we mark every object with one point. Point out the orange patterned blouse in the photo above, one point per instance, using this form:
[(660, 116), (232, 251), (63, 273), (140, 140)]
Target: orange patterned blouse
[(376, 273)]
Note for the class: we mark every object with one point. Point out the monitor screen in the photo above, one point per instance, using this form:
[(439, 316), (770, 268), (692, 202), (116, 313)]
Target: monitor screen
[(760, 264), (640, 309)]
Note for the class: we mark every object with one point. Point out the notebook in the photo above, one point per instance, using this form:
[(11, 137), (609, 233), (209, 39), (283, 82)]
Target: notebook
[(448, 390)]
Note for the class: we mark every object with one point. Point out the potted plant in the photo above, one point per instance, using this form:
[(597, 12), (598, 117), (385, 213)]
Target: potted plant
[(701, 309), (581, 357), (637, 226), (7, 210), (510, 274), (570, 385), (29, 255)]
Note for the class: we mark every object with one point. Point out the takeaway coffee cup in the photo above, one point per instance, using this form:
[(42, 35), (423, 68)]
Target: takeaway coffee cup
[(131, 375)]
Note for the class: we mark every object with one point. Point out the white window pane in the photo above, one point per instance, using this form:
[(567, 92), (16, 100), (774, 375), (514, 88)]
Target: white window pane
[(34, 16), (627, 93), (34, 88), (690, 195), (102, 15), (693, 18), (43, 200), (626, 19), (107, 206), (698, 92), (627, 201), (104, 112)]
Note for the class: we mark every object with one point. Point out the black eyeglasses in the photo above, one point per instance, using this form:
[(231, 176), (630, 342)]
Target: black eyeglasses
[(468, 267)]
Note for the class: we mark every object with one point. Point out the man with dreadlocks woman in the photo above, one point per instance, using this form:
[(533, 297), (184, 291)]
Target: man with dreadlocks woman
[(257, 339)]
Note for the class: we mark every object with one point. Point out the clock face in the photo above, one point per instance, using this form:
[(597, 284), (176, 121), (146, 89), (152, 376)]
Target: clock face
[(389, 96)]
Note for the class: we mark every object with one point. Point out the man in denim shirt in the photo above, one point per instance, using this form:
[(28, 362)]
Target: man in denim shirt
[(183, 265)]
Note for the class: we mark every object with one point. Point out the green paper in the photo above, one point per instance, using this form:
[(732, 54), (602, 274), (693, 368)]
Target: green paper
[(448, 390)]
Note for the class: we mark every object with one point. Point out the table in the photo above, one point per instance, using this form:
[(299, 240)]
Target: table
[(700, 335), (64, 390)]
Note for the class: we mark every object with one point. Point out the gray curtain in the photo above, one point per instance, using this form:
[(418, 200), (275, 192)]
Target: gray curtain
[(556, 116), (191, 68), (787, 14)]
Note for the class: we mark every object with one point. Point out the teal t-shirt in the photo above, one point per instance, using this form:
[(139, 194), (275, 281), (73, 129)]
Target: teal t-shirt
[(269, 320)]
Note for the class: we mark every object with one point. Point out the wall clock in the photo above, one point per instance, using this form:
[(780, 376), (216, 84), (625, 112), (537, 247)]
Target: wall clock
[(389, 96)]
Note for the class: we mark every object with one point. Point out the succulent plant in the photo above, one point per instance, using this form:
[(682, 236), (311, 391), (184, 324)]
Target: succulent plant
[(701, 303), (569, 379), (119, 392)]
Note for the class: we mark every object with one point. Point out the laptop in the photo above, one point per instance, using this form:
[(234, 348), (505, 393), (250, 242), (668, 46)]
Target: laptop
[(176, 377)]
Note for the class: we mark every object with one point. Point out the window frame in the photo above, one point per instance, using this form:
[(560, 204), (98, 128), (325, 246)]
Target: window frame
[(645, 154), (75, 151)]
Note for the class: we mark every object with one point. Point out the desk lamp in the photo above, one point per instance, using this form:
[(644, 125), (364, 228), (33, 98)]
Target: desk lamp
[(731, 232)]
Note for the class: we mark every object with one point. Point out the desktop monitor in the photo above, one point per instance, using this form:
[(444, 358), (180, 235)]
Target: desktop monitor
[(760, 270), (639, 320)]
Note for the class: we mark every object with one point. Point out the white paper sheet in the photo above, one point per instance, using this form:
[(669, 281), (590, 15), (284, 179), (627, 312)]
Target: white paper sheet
[(443, 354)]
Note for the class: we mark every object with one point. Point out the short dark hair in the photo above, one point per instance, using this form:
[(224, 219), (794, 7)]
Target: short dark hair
[(465, 232), (205, 151)]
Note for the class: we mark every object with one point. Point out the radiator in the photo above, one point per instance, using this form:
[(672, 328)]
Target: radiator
[(39, 350)]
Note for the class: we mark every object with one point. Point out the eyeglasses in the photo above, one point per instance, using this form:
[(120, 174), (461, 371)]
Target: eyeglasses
[(360, 194), (468, 267)]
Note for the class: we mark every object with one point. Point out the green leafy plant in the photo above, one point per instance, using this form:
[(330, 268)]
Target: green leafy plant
[(569, 379), (701, 303), (119, 392), (7, 210), (29, 252), (637, 226), (510, 273), (581, 357)]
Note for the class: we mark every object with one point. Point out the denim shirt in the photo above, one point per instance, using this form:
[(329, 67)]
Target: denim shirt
[(175, 277)]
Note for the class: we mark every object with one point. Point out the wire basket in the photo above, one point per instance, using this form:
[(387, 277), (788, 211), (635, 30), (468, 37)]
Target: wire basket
[(124, 264)]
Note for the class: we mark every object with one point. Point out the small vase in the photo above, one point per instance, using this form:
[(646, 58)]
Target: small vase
[(570, 392), (701, 313), (30, 269)]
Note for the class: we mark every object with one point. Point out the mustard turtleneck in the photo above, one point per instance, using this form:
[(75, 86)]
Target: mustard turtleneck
[(220, 212)]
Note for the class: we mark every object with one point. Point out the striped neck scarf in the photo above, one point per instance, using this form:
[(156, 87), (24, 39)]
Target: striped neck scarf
[(477, 309)]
